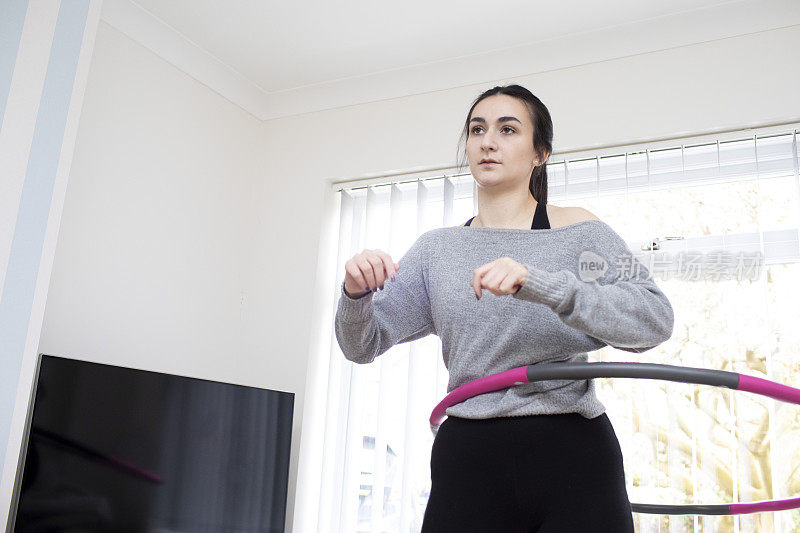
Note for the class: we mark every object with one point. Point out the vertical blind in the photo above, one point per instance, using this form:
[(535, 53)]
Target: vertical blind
[(376, 439)]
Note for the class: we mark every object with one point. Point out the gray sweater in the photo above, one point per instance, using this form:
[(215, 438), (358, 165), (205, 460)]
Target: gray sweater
[(569, 305)]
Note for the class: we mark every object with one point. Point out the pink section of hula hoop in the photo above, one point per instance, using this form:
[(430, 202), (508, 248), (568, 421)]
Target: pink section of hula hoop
[(491, 383), (768, 388), (762, 507)]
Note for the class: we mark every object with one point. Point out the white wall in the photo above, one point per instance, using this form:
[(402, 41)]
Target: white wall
[(192, 238), (153, 241)]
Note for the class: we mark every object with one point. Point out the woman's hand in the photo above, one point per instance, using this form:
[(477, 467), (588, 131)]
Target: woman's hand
[(367, 271), (501, 276)]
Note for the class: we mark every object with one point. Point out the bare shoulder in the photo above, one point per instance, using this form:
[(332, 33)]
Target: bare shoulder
[(579, 214), (565, 216)]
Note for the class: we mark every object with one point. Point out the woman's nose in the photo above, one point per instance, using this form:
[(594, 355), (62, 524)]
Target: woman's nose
[(487, 141)]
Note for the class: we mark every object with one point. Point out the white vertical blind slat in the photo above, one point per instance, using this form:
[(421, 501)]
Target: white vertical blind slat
[(380, 456), (449, 197), (775, 491), (353, 446), (406, 497), (332, 462)]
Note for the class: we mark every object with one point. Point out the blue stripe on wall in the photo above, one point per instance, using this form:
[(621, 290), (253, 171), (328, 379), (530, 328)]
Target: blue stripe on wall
[(35, 200), (12, 19)]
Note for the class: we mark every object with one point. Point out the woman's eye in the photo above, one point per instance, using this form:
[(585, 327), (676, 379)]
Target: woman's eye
[(474, 129)]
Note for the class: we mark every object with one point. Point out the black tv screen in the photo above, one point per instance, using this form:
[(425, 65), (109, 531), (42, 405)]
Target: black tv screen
[(109, 448)]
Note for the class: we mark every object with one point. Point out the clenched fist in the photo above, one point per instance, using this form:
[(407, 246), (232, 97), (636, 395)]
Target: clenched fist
[(367, 271), (501, 276)]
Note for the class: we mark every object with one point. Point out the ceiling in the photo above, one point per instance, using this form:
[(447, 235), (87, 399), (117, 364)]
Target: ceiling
[(281, 58)]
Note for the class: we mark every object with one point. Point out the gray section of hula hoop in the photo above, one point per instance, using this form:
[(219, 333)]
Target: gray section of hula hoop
[(649, 508), (702, 376)]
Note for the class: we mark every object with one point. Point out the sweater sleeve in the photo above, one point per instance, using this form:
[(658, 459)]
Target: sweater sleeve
[(624, 308), (368, 326)]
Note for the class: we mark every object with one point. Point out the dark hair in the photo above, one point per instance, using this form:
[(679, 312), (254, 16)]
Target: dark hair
[(542, 133)]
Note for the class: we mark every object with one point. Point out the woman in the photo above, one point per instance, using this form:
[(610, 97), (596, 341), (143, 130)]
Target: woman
[(538, 457)]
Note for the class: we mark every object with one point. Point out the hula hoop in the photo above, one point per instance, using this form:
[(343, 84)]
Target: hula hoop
[(577, 371)]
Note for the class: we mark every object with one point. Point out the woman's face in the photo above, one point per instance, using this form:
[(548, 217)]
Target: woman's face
[(500, 128)]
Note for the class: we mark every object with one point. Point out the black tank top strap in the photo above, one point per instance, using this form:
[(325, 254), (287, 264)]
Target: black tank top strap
[(540, 220)]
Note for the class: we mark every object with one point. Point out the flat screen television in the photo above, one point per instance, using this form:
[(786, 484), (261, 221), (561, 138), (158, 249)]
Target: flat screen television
[(109, 448)]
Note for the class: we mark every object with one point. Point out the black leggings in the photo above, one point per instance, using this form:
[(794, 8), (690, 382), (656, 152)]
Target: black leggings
[(529, 474)]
